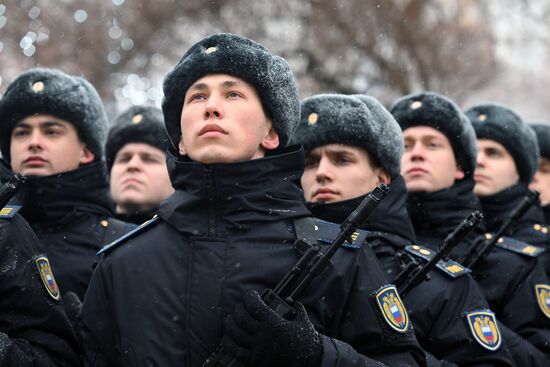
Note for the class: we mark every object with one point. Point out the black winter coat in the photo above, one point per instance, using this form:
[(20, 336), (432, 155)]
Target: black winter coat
[(508, 279), (530, 228), (71, 215), (437, 307), (34, 329), (159, 298)]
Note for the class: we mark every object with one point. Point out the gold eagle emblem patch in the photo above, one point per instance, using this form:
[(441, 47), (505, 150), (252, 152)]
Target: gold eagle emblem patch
[(483, 326), (543, 298), (46, 274), (393, 309)]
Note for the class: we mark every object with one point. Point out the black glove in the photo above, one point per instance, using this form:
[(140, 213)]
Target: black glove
[(258, 336)]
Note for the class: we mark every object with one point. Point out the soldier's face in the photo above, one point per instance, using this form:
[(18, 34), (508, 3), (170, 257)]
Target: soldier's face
[(495, 169), (43, 145), (223, 121), (139, 178), (336, 172), (541, 181), (428, 163)]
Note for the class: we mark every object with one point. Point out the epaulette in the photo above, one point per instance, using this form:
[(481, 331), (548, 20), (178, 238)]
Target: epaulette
[(327, 232), (9, 211), (519, 247), (146, 225), (449, 267)]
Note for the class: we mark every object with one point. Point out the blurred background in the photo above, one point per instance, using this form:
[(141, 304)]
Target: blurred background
[(470, 50)]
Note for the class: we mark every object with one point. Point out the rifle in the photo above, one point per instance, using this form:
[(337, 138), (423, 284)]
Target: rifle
[(476, 252), (414, 273), (9, 188), (310, 264)]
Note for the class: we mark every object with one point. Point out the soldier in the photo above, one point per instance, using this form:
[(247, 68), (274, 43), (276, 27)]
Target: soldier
[(34, 329), (352, 144), (136, 159), (506, 163), (438, 167), (541, 180), (52, 129), (159, 296)]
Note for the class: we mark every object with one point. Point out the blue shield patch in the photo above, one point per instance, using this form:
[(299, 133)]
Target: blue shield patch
[(392, 308), (483, 326)]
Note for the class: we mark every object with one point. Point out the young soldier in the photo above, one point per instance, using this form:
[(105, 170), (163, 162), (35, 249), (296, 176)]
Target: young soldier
[(34, 329), (159, 296), (506, 163), (52, 128), (541, 180), (352, 144), (136, 159), (438, 166)]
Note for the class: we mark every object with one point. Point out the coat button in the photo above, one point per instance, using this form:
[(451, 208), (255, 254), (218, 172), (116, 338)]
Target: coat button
[(104, 223)]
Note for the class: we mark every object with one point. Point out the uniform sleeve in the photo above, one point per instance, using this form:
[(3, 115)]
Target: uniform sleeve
[(523, 353), (98, 334), (34, 329), (521, 309), (438, 307), (362, 335)]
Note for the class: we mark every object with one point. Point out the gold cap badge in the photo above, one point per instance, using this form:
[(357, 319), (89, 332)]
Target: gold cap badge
[(210, 50), (38, 87), (312, 118), (482, 117), (137, 118), (416, 105)]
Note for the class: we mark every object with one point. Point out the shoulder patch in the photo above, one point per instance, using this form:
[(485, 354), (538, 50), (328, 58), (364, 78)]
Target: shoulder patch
[(449, 267), (484, 328), (9, 211), (327, 232), (392, 308), (542, 292), (46, 275), (517, 246), (146, 225)]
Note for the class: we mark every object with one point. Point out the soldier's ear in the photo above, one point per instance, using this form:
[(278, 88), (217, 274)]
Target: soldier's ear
[(86, 155), (181, 147), (271, 139), (459, 173), (383, 176)]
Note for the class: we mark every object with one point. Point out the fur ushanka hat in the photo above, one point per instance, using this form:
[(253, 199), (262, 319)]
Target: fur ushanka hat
[(52, 92), (240, 57), (137, 124), (357, 120), (440, 113), (496, 122)]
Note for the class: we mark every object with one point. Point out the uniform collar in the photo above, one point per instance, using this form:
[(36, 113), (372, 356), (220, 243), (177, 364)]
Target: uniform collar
[(233, 195)]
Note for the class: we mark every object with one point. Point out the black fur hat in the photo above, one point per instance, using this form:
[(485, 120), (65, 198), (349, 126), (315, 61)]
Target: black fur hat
[(438, 112), (234, 55), (137, 124), (52, 92), (499, 123), (357, 120), (542, 130)]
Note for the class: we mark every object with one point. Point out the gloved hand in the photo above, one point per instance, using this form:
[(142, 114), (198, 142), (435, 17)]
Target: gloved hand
[(258, 336)]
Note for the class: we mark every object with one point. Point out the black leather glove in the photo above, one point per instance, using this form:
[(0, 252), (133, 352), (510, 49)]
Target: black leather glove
[(258, 336)]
